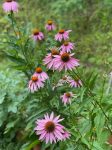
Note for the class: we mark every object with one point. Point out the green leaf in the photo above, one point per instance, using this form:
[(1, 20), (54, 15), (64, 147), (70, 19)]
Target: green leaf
[(99, 123), (84, 140), (12, 107), (16, 59), (38, 114), (97, 146), (2, 96)]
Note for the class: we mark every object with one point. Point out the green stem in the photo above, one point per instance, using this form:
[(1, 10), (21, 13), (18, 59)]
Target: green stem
[(12, 21)]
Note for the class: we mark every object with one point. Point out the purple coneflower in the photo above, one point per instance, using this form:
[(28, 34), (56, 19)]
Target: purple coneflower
[(75, 83), (65, 61), (62, 81), (67, 47), (65, 79), (49, 59), (10, 5), (50, 26), (37, 35), (41, 74), (62, 35), (49, 129), (66, 97), (35, 83)]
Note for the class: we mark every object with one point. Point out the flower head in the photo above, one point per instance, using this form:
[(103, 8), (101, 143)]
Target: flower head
[(67, 47), (10, 5), (66, 97), (75, 83), (41, 74), (65, 79), (62, 81), (49, 129), (65, 61), (50, 25), (49, 59), (62, 35), (37, 35), (35, 83)]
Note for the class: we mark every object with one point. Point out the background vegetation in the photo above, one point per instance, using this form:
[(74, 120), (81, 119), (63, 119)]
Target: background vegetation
[(91, 23)]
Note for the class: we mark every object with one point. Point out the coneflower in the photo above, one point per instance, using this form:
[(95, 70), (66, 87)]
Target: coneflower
[(37, 35), (50, 130), (35, 83), (62, 35), (50, 25), (10, 5), (65, 61)]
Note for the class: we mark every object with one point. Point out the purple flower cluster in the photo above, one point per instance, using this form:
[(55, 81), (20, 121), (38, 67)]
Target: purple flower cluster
[(60, 58)]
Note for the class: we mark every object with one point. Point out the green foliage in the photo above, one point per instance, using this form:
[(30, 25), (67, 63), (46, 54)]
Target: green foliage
[(89, 117)]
